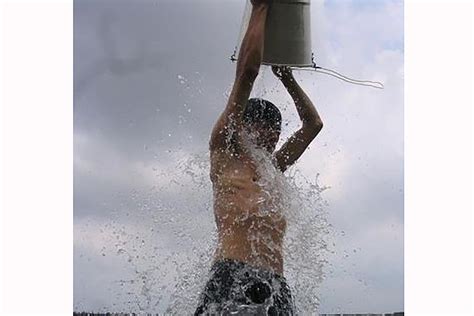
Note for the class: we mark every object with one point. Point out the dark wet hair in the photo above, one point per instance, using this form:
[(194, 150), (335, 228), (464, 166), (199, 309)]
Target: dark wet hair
[(262, 112)]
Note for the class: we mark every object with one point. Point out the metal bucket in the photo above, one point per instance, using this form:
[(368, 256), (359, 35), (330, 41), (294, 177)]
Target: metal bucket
[(287, 33)]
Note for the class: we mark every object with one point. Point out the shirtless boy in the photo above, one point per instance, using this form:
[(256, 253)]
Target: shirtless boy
[(247, 275)]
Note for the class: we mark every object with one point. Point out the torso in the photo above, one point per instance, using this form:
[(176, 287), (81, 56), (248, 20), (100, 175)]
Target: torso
[(245, 233)]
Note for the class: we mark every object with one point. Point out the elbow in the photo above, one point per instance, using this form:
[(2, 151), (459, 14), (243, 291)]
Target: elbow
[(319, 125), (315, 127)]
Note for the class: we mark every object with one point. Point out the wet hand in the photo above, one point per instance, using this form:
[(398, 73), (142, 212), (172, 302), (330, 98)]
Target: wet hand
[(283, 73)]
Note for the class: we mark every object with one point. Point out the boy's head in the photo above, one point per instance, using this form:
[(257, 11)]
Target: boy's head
[(263, 120)]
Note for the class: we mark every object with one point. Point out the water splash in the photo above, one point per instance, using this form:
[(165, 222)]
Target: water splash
[(306, 244), (166, 244)]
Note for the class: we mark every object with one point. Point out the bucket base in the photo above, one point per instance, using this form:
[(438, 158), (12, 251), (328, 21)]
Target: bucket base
[(289, 65)]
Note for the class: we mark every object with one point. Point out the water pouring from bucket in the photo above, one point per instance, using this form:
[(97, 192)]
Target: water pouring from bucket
[(288, 39)]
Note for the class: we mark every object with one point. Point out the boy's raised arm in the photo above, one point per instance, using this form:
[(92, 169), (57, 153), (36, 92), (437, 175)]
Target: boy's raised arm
[(248, 65)]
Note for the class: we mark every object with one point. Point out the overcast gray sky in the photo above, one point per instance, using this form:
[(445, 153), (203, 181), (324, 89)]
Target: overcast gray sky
[(150, 80)]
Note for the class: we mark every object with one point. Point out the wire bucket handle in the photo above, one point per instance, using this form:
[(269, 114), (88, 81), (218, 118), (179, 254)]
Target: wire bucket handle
[(330, 72)]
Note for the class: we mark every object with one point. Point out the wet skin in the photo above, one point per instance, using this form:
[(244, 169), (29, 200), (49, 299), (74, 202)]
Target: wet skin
[(246, 234)]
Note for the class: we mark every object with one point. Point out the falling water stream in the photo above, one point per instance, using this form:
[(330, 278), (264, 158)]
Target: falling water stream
[(170, 255)]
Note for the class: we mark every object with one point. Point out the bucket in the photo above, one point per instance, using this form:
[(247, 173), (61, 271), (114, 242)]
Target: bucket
[(288, 39), (287, 33)]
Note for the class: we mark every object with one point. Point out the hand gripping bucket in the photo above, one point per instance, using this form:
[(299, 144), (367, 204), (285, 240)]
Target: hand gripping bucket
[(287, 33), (288, 39)]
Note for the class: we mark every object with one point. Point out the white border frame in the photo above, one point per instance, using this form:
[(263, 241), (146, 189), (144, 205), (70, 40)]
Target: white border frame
[(36, 157)]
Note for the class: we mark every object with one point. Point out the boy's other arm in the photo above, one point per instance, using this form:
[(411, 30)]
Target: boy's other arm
[(311, 121)]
